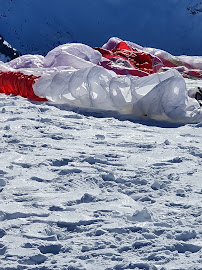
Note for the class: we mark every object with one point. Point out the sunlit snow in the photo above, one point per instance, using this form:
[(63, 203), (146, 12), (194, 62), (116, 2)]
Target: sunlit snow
[(80, 191), (83, 190)]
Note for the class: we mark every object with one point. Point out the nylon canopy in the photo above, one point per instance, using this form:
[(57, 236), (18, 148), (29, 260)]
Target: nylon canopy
[(83, 77)]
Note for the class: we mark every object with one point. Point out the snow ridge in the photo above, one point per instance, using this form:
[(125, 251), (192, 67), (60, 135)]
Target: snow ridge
[(7, 53), (195, 9)]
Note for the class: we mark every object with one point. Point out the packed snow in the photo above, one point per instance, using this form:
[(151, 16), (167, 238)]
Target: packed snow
[(86, 190), (83, 191)]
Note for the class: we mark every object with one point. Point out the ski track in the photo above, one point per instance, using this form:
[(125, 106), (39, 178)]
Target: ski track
[(80, 192)]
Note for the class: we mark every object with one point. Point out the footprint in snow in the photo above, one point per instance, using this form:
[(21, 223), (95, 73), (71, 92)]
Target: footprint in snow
[(141, 216), (34, 260), (61, 162), (50, 248), (184, 247), (2, 233), (2, 249), (23, 165), (2, 183), (69, 171)]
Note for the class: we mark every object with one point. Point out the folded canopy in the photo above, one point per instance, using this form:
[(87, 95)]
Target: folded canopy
[(77, 75)]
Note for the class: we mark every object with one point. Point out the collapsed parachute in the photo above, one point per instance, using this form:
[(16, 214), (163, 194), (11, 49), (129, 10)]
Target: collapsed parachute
[(121, 76), (17, 83)]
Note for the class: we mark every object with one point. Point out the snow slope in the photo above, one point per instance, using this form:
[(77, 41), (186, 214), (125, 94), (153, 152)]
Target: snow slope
[(7, 53), (80, 191), (38, 26)]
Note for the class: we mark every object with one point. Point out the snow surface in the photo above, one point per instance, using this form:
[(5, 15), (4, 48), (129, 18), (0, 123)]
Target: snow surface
[(40, 25), (81, 191)]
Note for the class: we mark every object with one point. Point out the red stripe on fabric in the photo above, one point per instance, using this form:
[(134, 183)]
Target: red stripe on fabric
[(17, 83)]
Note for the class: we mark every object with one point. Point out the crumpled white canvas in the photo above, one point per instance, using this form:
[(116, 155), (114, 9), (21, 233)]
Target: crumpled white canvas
[(70, 74), (160, 96)]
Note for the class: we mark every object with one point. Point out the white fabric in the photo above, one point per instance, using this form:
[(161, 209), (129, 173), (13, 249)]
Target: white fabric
[(194, 62), (27, 61), (161, 96), (74, 54), (70, 75)]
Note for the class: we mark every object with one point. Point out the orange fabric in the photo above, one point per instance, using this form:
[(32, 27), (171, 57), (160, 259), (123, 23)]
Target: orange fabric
[(17, 83)]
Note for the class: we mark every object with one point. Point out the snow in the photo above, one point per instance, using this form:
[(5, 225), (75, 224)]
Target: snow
[(39, 26), (84, 191), (7, 52)]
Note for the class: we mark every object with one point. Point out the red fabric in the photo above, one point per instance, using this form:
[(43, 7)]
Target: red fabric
[(138, 60), (123, 60), (122, 70), (193, 73), (17, 83)]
